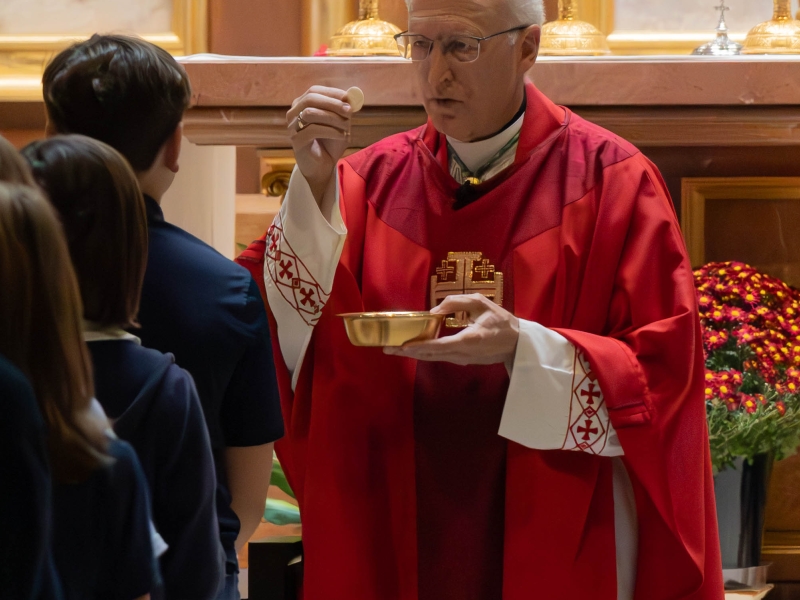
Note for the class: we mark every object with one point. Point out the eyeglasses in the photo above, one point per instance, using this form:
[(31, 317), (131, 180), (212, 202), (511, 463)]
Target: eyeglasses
[(464, 48)]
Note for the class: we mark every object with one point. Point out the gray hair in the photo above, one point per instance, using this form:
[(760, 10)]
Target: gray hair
[(527, 12)]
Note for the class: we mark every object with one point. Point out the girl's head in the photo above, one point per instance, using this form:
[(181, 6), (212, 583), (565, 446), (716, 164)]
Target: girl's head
[(97, 197), (41, 330), (13, 168)]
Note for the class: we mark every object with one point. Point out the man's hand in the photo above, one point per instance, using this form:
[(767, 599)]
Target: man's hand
[(490, 338), (319, 122)]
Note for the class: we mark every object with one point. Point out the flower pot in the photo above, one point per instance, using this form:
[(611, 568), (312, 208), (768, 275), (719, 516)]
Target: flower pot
[(741, 500)]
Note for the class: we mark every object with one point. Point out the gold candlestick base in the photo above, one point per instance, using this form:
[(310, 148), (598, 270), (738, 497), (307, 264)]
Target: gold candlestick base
[(572, 38), (369, 36), (569, 37), (780, 35)]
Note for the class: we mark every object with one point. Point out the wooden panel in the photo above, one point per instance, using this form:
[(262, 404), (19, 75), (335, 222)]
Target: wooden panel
[(254, 27), (749, 219), (646, 127), (266, 127), (678, 162), (785, 591), (22, 122), (782, 535)]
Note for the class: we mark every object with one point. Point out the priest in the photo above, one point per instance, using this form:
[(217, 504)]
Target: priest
[(552, 444)]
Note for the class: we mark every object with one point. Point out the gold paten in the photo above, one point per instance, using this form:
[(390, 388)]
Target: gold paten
[(378, 329), (570, 37), (781, 35), (465, 273), (369, 36)]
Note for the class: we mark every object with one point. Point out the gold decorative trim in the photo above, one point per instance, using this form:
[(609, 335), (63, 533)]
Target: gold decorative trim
[(275, 168), (275, 183), (697, 191), (23, 57)]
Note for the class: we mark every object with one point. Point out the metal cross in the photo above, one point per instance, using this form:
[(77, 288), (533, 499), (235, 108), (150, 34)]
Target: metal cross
[(722, 8)]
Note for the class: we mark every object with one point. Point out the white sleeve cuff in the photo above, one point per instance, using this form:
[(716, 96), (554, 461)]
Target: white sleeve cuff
[(554, 402), (303, 250)]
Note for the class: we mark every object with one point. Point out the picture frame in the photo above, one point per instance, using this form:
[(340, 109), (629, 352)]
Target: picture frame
[(23, 57)]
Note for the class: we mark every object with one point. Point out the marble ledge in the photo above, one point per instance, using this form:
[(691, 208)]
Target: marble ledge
[(223, 81)]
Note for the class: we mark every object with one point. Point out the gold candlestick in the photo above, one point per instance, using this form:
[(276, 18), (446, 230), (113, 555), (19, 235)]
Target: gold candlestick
[(780, 35), (570, 37), (368, 36)]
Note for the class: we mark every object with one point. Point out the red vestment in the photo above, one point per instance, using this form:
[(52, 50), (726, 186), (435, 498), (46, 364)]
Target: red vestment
[(406, 491)]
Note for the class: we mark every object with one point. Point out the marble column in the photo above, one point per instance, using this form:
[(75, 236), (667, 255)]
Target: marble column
[(202, 200)]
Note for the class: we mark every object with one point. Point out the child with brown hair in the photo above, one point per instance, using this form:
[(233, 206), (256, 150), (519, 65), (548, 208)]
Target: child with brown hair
[(152, 402), (195, 303), (102, 544)]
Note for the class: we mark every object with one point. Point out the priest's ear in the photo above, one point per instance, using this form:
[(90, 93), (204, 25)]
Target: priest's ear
[(172, 149), (529, 48)]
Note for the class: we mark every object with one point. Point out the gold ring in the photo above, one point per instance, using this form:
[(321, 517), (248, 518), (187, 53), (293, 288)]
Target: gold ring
[(301, 124)]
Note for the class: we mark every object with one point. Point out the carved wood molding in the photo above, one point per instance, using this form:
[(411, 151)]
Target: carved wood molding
[(266, 127), (644, 126), (781, 542)]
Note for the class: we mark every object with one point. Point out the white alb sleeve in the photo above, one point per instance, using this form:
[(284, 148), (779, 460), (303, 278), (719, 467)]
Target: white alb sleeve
[(303, 250), (554, 401)]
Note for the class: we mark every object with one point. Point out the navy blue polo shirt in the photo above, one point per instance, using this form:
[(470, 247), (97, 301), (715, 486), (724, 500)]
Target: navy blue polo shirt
[(154, 407), (208, 312), (102, 544), (27, 570)]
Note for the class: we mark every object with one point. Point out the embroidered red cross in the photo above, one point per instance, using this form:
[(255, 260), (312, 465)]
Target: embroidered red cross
[(587, 430), (285, 272), (307, 297), (590, 394), (484, 269), (273, 242)]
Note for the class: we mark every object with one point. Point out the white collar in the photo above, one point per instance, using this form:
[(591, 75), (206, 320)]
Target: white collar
[(475, 154), (93, 332)]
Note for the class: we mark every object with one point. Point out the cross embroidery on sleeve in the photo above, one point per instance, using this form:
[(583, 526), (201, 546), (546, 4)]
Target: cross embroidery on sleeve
[(291, 277), (588, 418)]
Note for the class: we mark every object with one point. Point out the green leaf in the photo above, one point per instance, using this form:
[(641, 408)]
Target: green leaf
[(240, 246), (280, 512), (279, 477)]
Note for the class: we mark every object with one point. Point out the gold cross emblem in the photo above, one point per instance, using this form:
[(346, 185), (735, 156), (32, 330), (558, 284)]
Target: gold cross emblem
[(465, 273)]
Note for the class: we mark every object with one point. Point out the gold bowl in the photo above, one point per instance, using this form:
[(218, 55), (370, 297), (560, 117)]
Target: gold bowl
[(390, 328)]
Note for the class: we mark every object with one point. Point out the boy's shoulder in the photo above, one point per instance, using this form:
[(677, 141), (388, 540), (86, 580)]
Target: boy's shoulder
[(174, 249)]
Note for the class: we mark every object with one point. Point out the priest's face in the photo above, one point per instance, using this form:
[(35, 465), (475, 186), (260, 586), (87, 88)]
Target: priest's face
[(471, 101)]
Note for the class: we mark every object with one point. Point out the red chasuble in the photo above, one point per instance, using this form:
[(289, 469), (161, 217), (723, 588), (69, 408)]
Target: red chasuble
[(405, 488)]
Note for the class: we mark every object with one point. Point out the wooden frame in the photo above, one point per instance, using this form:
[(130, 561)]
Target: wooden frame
[(697, 191), (601, 14), (22, 57)]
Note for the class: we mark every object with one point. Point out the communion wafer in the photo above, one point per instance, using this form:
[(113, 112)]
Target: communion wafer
[(355, 97)]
